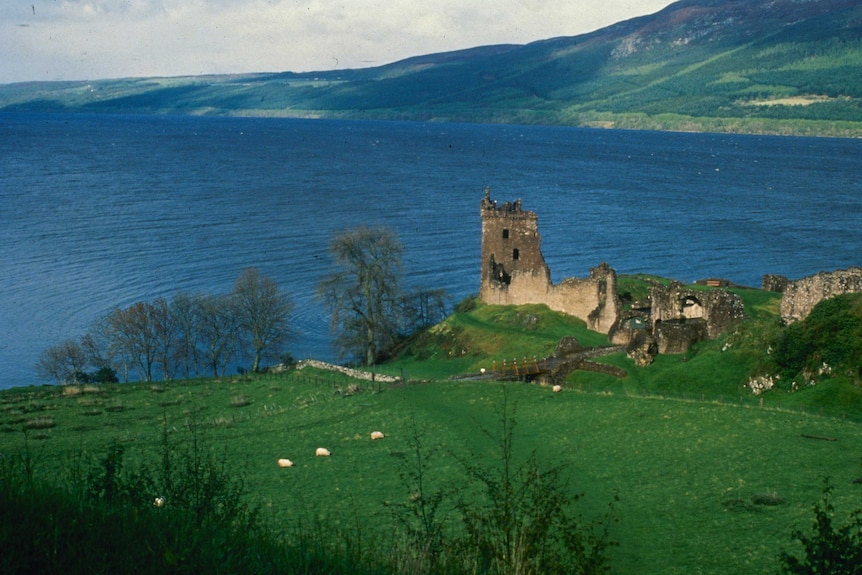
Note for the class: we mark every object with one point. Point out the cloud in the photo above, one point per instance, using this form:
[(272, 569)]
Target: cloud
[(88, 39)]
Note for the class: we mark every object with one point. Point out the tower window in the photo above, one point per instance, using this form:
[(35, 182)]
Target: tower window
[(516, 254), (505, 234)]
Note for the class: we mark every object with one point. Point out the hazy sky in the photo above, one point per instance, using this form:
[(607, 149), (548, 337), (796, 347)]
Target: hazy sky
[(91, 39)]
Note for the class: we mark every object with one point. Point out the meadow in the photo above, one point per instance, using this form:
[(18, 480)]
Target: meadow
[(703, 486)]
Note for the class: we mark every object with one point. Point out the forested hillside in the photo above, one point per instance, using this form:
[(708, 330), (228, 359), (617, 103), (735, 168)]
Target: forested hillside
[(719, 65)]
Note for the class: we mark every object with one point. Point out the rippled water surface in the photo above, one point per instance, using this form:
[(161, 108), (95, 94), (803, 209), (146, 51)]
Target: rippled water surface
[(102, 211)]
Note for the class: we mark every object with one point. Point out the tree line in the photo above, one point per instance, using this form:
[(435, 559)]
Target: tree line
[(192, 335), (185, 336)]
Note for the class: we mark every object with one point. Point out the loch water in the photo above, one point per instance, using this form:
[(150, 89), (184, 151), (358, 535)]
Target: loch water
[(100, 211)]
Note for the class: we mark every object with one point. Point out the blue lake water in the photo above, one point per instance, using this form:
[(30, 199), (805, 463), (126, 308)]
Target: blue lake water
[(98, 212)]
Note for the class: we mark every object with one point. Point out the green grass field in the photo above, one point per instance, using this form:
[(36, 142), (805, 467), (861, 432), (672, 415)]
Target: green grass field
[(687, 472)]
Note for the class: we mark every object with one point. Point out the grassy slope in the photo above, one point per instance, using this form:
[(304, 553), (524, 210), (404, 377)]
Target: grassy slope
[(686, 466)]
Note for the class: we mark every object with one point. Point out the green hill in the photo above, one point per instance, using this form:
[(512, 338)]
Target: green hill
[(784, 67)]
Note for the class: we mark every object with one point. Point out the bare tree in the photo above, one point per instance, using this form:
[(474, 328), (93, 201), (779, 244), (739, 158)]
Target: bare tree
[(132, 334), (218, 331), (104, 350), (423, 308), (93, 345), (166, 331), (186, 310), (262, 312), (363, 293), (64, 362)]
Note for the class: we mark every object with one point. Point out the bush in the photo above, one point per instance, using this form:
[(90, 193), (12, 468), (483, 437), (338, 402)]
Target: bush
[(104, 375), (516, 517), (827, 550), (525, 521), (831, 335)]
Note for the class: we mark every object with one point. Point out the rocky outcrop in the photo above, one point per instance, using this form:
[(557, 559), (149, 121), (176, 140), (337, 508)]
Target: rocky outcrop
[(800, 296)]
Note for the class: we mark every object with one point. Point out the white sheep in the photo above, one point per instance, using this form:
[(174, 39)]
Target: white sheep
[(285, 463), (377, 435), (322, 452), (159, 502), (558, 389)]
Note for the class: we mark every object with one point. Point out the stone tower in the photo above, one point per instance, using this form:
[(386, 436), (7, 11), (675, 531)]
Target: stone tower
[(514, 271), (511, 246)]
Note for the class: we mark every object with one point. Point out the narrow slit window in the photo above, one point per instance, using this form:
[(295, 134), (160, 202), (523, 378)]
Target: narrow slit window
[(505, 234), (516, 254)]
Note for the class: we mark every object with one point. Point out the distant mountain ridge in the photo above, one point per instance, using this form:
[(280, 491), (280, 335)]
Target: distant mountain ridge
[(754, 66)]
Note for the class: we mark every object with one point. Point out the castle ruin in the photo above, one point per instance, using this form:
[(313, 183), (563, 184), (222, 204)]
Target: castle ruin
[(514, 271)]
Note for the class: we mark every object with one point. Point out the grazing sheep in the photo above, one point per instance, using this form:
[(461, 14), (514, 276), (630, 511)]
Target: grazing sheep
[(159, 501), (285, 463), (322, 452), (558, 389), (377, 435)]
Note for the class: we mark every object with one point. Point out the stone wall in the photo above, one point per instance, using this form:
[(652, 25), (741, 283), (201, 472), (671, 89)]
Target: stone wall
[(800, 296), (514, 271), (718, 307), (683, 316), (678, 316), (774, 283)]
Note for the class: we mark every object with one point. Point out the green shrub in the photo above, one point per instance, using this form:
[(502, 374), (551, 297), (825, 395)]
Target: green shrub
[(512, 517), (524, 520), (827, 550), (829, 338)]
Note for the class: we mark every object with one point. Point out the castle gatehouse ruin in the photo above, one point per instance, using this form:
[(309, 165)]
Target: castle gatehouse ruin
[(514, 272)]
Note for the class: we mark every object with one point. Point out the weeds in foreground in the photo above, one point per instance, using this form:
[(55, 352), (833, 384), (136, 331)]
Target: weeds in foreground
[(423, 538), (514, 518)]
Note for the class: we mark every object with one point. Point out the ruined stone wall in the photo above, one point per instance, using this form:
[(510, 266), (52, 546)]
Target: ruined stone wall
[(514, 271), (718, 308), (680, 316), (774, 283), (678, 336), (800, 296)]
